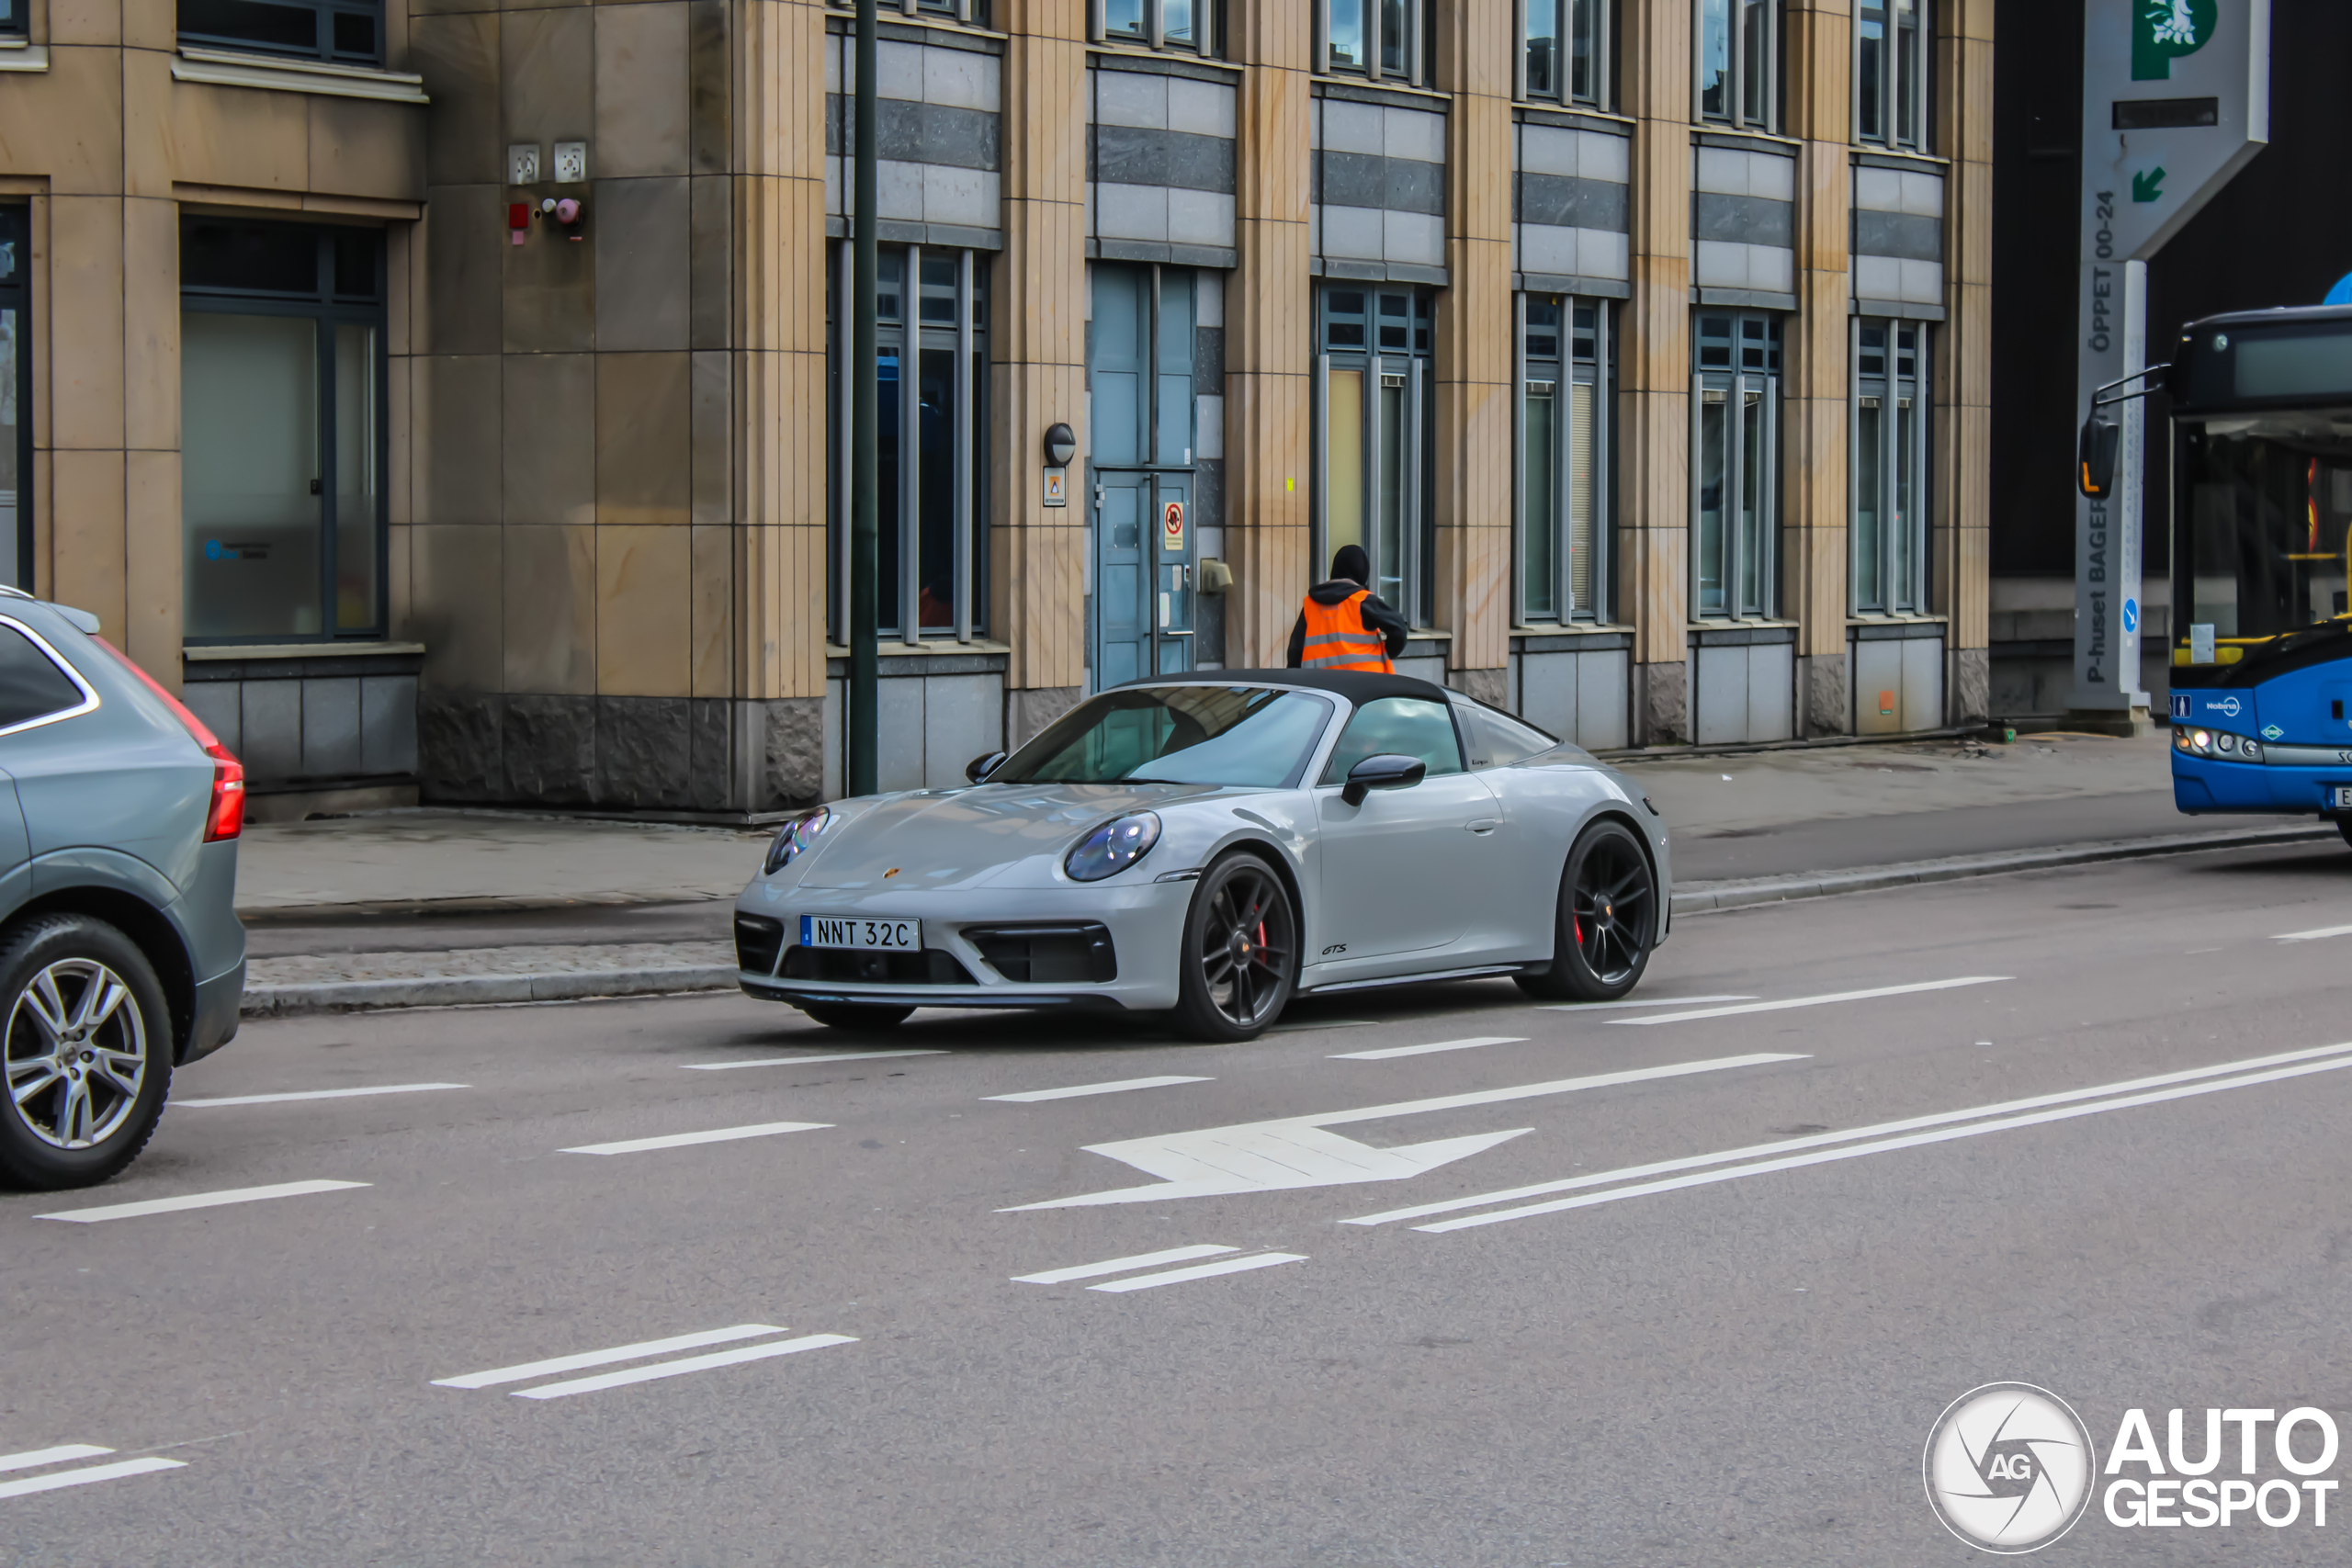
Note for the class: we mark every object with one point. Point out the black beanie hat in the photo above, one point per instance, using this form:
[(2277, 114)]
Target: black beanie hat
[(1351, 563)]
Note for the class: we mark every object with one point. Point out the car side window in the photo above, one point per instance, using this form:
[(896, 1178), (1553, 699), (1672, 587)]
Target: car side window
[(1498, 740), (31, 686), (1410, 727)]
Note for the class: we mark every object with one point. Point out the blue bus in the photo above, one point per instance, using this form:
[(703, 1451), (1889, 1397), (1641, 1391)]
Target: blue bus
[(2262, 535)]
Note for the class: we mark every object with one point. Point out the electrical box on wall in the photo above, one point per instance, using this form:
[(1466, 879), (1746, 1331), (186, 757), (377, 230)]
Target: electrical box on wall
[(570, 163), (523, 164)]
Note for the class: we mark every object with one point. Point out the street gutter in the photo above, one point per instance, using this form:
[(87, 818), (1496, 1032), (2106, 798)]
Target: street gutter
[(1692, 898)]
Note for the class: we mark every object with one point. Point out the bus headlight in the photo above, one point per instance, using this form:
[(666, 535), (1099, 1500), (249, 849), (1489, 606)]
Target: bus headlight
[(2249, 750), (2180, 740), (2201, 739), (2225, 744)]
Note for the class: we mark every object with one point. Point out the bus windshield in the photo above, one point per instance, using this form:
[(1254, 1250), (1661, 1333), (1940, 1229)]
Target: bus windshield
[(2266, 505)]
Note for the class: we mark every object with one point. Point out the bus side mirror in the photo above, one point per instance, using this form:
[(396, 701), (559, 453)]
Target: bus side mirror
[(2100, 437)]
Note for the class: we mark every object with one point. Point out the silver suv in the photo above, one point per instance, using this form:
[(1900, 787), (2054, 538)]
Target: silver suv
[(121, 955)]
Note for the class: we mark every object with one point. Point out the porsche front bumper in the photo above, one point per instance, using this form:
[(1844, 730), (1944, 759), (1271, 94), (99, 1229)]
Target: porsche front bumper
[(1145, 921)]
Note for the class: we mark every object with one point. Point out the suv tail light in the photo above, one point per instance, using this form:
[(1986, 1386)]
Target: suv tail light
[(225, 819)]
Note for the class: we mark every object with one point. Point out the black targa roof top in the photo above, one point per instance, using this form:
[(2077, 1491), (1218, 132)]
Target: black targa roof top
[(1356, 686)]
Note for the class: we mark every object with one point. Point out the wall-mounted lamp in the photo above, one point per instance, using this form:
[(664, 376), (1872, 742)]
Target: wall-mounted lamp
[(1061, 445)]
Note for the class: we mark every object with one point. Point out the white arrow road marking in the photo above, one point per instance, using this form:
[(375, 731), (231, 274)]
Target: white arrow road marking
[(87, 1474), (1851, 1134), (1817, 1001), (1295, 1151), (1201, 1272), (1856, 1150), (34, 1458)]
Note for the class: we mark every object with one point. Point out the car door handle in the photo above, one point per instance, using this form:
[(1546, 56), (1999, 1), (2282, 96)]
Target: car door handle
[(1483, 824)]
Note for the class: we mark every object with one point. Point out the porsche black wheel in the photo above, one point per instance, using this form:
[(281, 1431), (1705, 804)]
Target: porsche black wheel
[(1240, 951), (856, 1015), (1608, 919)]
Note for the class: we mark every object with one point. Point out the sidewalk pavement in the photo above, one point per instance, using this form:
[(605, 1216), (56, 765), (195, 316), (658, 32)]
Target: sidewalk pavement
[(437, 907)]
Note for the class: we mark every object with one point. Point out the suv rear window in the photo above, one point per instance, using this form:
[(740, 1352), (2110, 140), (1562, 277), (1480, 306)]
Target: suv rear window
[(31, 686)]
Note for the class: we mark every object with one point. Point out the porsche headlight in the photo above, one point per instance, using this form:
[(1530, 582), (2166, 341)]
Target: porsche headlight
[(1113, 847), (794, 837)]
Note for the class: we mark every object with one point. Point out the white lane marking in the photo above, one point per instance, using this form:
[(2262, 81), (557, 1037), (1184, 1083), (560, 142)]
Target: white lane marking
[(2304, 936), (1818, 1140), (1644, 1002), (197, 1200), (1121, 1265), (1887, 1144), (87, 1475), (681, 1140), (1329, 1023), (681, 1367), (1120, 1086), (802, 1061), (1473, 1042), (319, 1094), (1201, 1272), (1295, 1151), (529, 1370), (33, 1459), (1817, 1001)]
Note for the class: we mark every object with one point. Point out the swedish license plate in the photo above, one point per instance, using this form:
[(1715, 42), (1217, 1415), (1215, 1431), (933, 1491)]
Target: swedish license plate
[(850, 930), (2343, 794)]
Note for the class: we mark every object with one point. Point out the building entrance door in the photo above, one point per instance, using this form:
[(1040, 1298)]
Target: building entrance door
[(1146, 538)]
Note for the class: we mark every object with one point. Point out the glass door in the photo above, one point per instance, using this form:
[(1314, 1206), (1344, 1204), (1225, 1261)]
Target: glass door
[(1140, 358), (1735, 492), (1372, 432)]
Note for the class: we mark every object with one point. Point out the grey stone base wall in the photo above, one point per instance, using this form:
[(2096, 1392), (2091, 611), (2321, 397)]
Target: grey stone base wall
[(1824, 705), (1661, 702), (1970, 692), (1489, 686), (634, 753), (1028, 711)]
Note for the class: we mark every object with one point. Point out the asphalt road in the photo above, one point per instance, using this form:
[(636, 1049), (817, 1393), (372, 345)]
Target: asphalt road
[(1730, 1362)]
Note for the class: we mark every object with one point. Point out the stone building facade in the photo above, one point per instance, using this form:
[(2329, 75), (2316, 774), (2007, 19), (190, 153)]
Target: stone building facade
[(448, 397)]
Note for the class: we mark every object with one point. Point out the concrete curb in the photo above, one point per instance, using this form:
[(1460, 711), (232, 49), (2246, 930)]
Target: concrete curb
[(1702, 898), (455, 990)]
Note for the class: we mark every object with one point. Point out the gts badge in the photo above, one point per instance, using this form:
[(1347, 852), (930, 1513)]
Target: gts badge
[(1335, 947)]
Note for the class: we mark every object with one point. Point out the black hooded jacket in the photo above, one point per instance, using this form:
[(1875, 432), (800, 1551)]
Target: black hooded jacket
[(1377, 617)]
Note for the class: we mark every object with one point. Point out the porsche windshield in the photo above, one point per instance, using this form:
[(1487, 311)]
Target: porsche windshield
[(2267, 499), (1201, 735)]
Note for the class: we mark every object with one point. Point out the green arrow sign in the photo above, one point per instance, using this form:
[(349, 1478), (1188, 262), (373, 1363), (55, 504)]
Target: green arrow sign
[(2149, 185)]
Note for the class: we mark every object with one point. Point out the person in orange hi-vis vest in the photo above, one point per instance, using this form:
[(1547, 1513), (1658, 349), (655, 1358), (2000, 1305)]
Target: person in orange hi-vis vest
[(1343, 625)]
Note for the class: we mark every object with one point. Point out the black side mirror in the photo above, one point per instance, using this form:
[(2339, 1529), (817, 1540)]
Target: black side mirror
[(1387, 771), (979, 768), (2101, 438)]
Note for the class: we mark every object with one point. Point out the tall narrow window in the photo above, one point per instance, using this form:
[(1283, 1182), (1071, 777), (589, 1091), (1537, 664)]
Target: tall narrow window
[(1564, 54), (931, 377), (1393, 40), (1192, 27), (1563, 458), (283, 430), (1737, 46), (1890, 465), (1735, 498), (1375, 422), (16, 406), (1891, 73)]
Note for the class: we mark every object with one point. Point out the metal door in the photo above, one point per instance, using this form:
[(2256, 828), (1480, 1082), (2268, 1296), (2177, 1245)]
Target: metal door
[(1122, 577)]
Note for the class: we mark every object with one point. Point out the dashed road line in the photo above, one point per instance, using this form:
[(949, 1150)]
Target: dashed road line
[(2308, 936), (1121, 1265), (85, 1475), (1820, 1000), (1643, 1002), (680, 1366), (197, 1201), (1120, 1085), (1201, 1272), (802, 1061), (683, 1140), (1387, 1052), (315, 1094)]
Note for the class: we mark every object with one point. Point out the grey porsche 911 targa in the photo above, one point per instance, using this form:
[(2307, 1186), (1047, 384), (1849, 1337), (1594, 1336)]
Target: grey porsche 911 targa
[(1213, 845)]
